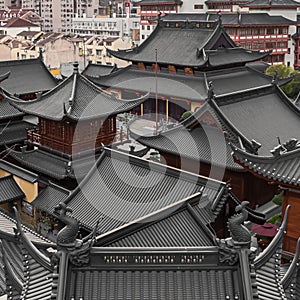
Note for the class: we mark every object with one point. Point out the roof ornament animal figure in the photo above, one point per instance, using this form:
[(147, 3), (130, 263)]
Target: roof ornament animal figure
[(77, 249), (239, 232)]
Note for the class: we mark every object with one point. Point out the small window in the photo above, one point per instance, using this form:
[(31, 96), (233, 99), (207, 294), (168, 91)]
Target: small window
[(198, 6)]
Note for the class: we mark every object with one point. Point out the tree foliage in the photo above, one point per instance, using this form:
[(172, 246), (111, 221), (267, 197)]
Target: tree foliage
[(292, 88)]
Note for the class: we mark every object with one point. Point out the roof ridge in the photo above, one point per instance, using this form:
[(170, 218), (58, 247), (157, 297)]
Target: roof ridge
[(264, 256)]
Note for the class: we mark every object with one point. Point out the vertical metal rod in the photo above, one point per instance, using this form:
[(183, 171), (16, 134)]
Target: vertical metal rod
[(156, 97)]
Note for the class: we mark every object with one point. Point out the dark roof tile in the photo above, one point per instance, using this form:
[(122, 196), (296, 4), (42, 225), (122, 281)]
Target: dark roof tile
[(263, 116), (10, 190), (26, 76), (135, 187), (76, 98)]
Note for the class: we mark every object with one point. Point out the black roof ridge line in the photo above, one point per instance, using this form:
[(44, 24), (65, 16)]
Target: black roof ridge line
[(245, 94), (143, 222), (86, 178), (58, 187), (18, 168), (264, 256), (141, 250), (198, 220), (290, 273), (217, 30), (287, 101)]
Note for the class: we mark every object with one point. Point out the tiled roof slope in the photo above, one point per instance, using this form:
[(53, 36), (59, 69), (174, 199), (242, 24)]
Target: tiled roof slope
[(48, 198), (7, 110), (26, 76), (76, 98), (283, 168), (203, 143), (272, 4), (173, 85), (181, 86), (183, 227), (9, 189), (153, 284), (53, 165), (229, 19), (262, 115), (30, 277), (135, 187), (14, 132), (95, 70)]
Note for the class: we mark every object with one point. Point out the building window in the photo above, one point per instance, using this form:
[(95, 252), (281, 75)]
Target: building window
[(198, 6)]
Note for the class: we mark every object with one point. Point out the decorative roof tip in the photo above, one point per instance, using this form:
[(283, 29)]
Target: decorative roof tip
[(255, 146), (210, 92), (75, 67)]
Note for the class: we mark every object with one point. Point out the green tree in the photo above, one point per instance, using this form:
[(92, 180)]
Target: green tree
[(292, 88)]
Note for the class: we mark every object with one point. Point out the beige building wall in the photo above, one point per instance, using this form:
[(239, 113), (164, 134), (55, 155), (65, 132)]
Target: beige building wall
[(5, 52), (60, 51), (30, 189)]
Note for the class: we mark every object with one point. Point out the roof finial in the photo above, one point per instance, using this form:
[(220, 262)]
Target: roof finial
[(210, 92), (75, 67), (220, 17), (41, 54)]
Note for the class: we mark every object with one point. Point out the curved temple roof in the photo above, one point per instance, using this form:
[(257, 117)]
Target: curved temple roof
[(282, 167), (75, 98), (189, 44)]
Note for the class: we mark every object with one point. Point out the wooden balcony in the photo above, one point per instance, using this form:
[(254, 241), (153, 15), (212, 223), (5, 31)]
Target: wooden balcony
[(34, 137)]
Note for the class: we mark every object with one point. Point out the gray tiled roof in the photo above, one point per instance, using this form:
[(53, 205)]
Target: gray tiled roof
[(182, 228), (201, 143), (26, 76), (9, 189), (14, 132), (284, 168), (52, 165), (187, 45), (262, 115), (237, 79), (87, 101), (272, 3), (135, 187), (176, 46), (95, 70), (7, 110), (48, 198), (229, 19), (182, 86), (154, 284), (173, 85)]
